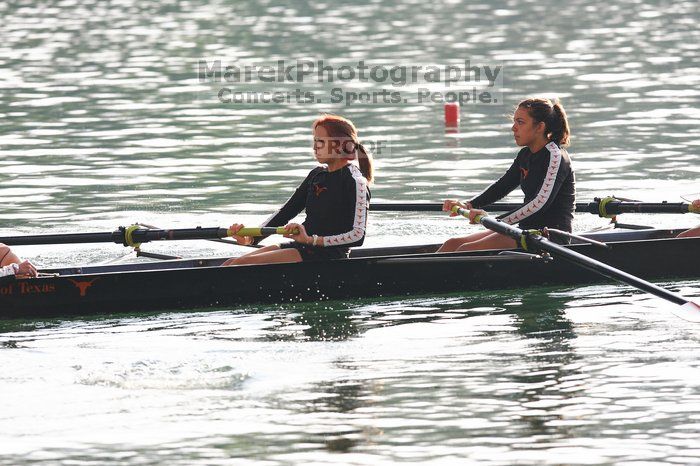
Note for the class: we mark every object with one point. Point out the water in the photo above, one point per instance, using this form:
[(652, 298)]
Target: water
[(546, 376), (103, 123)]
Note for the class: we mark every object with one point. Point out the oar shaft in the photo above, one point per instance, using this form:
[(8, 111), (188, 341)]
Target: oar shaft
[(610, 208), (537, 242), (146, 235), (71, 238), (616, 274), (134, 235), (120, 236)]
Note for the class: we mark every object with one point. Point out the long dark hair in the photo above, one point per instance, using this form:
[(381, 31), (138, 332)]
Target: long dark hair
[(344, 129), (552, 114)]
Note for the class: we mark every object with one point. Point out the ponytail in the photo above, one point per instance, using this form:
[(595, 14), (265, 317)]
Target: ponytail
[(559, 127), (553, 116), (366, 162)]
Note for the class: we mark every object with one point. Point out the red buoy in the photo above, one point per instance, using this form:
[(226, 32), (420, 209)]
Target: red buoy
[(452, 114)]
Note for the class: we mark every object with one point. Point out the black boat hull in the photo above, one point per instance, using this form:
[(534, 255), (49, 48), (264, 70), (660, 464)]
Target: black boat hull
[(198, 284)]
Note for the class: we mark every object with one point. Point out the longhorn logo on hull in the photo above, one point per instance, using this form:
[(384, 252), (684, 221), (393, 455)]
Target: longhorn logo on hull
[(82, 286)]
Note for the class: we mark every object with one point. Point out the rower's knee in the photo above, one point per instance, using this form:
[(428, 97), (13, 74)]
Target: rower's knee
[(468, 247), (450, 245), (5, 253), (231, 261), (241, 260)]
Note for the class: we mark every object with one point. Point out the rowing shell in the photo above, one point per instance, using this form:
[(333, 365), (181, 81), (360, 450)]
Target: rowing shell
[(370, 272)]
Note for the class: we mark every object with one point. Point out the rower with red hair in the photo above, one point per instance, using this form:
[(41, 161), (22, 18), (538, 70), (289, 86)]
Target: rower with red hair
[(335, 196)]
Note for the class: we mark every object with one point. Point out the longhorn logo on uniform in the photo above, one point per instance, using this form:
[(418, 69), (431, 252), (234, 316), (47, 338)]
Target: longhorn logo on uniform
[(319, 189)]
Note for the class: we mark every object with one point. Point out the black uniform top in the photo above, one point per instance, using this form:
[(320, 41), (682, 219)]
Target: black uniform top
[(547, 180), (336, 206)]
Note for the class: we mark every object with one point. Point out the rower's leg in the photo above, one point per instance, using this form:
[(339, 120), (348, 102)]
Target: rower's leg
[(491, 241), (272, 247), (8, 257), (269, 257), (453, 244), (690, 233)]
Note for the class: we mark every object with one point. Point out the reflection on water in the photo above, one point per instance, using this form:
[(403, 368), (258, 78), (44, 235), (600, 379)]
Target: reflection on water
[(489, 377), (555, 380)]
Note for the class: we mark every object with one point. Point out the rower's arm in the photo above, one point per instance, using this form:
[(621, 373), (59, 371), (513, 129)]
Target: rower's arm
[(294, 205), (289, 210), (8, 270), (500, 188)]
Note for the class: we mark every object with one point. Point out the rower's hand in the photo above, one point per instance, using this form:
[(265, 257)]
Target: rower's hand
[(244, 240), (26, 270), (473, 213), (300, 236), (696, 205), (450, 203)]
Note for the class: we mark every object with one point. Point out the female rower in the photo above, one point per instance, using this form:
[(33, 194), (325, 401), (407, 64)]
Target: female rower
[(335, 197), (542, 169), (693, 231), (10, 264)]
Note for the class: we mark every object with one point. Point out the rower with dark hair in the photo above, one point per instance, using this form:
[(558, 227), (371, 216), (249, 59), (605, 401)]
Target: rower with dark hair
[(335, 196), (10, 264), (542, 169), (692, 231)]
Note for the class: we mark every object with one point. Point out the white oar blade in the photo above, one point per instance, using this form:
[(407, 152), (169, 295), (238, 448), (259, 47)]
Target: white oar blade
[(689, 311)]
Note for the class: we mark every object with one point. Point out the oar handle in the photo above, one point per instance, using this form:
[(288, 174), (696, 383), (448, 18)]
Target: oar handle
[(260, 231), (465, 213)]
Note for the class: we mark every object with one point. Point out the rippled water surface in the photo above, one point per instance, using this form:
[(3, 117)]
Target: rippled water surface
[(103, 122)]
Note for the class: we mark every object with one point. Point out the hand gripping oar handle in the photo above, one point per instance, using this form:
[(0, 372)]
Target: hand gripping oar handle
[(533, 241)]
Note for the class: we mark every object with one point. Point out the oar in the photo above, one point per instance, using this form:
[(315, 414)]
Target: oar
[(685, 308), (605, 207), (213, 240), (134, 235)]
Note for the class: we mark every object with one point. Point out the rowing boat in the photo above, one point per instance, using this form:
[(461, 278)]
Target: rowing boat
[(370, 272)]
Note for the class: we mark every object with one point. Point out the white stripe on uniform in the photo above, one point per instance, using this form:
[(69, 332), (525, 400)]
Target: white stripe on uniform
[(361, 205), (545, 191)]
